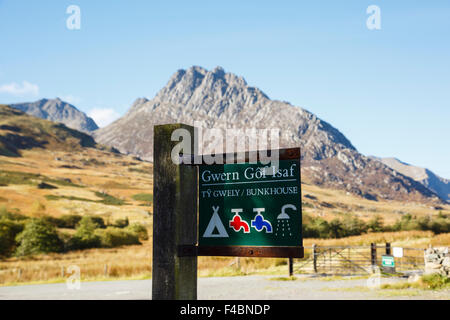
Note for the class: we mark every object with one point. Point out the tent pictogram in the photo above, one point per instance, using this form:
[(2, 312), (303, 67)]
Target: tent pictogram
[(215, 223)]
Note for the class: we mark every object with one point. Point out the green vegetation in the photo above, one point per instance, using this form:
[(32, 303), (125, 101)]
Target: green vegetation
[(21, 235), (5, 214), (121, 223), (316, 227), (139, 230), (92, 162), (426, 282), (106, 199), (8, 231), (114, 237), (336, 228), (147, 198), (20, 178), (13, 177), (440, 224), (109, 199), (67, 221), (84, 237), (37, 237), (54, 197), (284, 278), (139, 170)]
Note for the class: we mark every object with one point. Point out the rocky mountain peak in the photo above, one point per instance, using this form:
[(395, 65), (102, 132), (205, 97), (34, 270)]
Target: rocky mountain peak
[(211, 91), (59, 111), (224, 100)]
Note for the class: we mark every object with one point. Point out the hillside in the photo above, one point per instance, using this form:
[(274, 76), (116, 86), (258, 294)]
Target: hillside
[(224, 100), (49, 169), (426, 177), (66, 176), (19, 131), (58, 111)]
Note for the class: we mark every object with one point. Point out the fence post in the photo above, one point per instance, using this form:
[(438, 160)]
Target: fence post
[(373, 255), (174, 216), (291, 267), (388, 248), (314, 258)]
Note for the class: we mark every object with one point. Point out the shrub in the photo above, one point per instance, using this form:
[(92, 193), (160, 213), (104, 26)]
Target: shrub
[(440, 224), (336, 228), (139, 230), (435, 281), (8, 231), (113, 237), (66, 221), (69, 221), (85, 237), (37, 237), (100, 223), (121, 223), (5, 214), (109, 199), (376, 224), (352, 226)]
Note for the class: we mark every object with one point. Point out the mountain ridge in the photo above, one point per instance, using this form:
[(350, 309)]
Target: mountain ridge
[(428, 178), (223, 100), (58, 111)]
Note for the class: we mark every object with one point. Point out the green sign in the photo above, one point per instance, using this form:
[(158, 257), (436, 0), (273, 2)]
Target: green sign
[(387, 261), (250, 204)]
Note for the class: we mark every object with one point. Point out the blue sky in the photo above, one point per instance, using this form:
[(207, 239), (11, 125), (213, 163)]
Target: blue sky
[(387, 90)]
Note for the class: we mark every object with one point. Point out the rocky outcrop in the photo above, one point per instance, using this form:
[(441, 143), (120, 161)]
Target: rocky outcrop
[(437, 260), (223, 100), (58, 111)]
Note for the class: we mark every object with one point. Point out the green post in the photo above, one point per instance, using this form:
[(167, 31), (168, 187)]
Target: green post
[(174, 218)]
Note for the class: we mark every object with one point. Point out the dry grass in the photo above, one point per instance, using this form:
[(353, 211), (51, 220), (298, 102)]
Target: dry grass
[(415, 239), (135, 261), (125, 262), (123, 177)]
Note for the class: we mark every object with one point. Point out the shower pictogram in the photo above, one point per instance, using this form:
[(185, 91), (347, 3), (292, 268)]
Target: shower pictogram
[(283, 228)]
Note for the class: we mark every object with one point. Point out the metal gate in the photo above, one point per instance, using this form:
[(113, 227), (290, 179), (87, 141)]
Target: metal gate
[(355, 260)]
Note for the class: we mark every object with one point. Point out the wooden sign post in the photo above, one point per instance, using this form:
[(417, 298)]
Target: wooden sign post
[(174, 219), (246, 209)]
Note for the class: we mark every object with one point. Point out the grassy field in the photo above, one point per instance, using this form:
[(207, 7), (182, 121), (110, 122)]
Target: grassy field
[(134, 262), (114, 186)]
